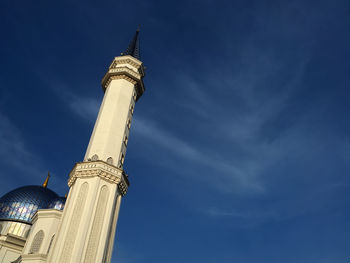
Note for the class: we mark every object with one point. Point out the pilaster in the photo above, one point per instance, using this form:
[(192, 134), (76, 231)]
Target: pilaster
[(90, 212)]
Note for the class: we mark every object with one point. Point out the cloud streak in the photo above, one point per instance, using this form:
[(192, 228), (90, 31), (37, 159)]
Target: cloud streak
[(14, 151), (226, 173), (86, 108)]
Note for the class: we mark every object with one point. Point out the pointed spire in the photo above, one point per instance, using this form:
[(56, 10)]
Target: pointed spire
[(134, 46), (46, 180)]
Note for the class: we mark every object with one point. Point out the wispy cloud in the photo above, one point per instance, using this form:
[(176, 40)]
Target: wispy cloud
[(148, 129), (215, 212), (240, 106), (14, 152), (237, 151), (84, 107), (243, 217), (227, 174)]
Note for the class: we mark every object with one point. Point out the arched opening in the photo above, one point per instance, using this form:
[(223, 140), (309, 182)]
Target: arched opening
[(37, 241)]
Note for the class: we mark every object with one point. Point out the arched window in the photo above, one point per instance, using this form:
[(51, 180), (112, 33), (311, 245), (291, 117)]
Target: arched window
[(110, 160), (36, 244), (51, 241)]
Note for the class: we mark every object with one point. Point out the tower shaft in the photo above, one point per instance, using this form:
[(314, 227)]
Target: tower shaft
[(97, 184), (111, 132)]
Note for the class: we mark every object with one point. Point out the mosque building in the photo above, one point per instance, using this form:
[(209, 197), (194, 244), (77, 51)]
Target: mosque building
[(37, 225)]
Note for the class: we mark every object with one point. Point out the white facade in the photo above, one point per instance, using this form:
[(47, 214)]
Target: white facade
[(42, 235), (98, 183), (11, 247), (84, 231)]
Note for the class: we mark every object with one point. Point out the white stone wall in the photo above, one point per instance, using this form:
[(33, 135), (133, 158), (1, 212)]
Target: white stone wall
[(45, 226), (12, 240), (8, 253)]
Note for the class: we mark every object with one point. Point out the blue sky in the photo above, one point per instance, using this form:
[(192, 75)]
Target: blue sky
[(240, 148)]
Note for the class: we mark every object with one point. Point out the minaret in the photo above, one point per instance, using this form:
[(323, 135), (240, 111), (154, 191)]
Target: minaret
[(97, 185)]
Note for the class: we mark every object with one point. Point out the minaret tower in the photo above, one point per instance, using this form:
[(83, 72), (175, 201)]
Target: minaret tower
[(97, 185)]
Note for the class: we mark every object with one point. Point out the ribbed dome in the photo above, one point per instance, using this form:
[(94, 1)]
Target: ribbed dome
[(22, 203), (57, 203)]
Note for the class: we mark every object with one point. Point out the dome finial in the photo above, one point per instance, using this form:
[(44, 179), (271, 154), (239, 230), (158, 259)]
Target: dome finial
[(46, 180)]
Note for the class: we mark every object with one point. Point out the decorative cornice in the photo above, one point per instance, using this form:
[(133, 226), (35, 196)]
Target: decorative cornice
[(125, 70), (14, 241), (17, 247), (129, 58), (123, 60), (47, 213), (108, 172)]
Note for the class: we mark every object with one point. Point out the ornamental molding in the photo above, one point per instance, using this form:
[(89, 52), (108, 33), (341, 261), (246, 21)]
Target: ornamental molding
[(5, 243), (119, 77), (125, 61), (125, 70), (128, 58), (105, 171), (121, 71)]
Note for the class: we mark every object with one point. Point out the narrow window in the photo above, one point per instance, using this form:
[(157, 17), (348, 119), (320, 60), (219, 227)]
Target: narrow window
[(132, 109), (121, 161), (129, 124), (126, 140), (51, 241)]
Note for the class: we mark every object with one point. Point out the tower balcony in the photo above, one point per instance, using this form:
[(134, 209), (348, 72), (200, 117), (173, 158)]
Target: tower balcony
[(128, 68)]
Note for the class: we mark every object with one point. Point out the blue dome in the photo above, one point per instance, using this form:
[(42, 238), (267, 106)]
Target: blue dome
[(22, 203), (57, 203)]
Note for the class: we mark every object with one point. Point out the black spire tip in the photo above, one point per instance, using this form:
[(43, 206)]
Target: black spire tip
[(134, 46)]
